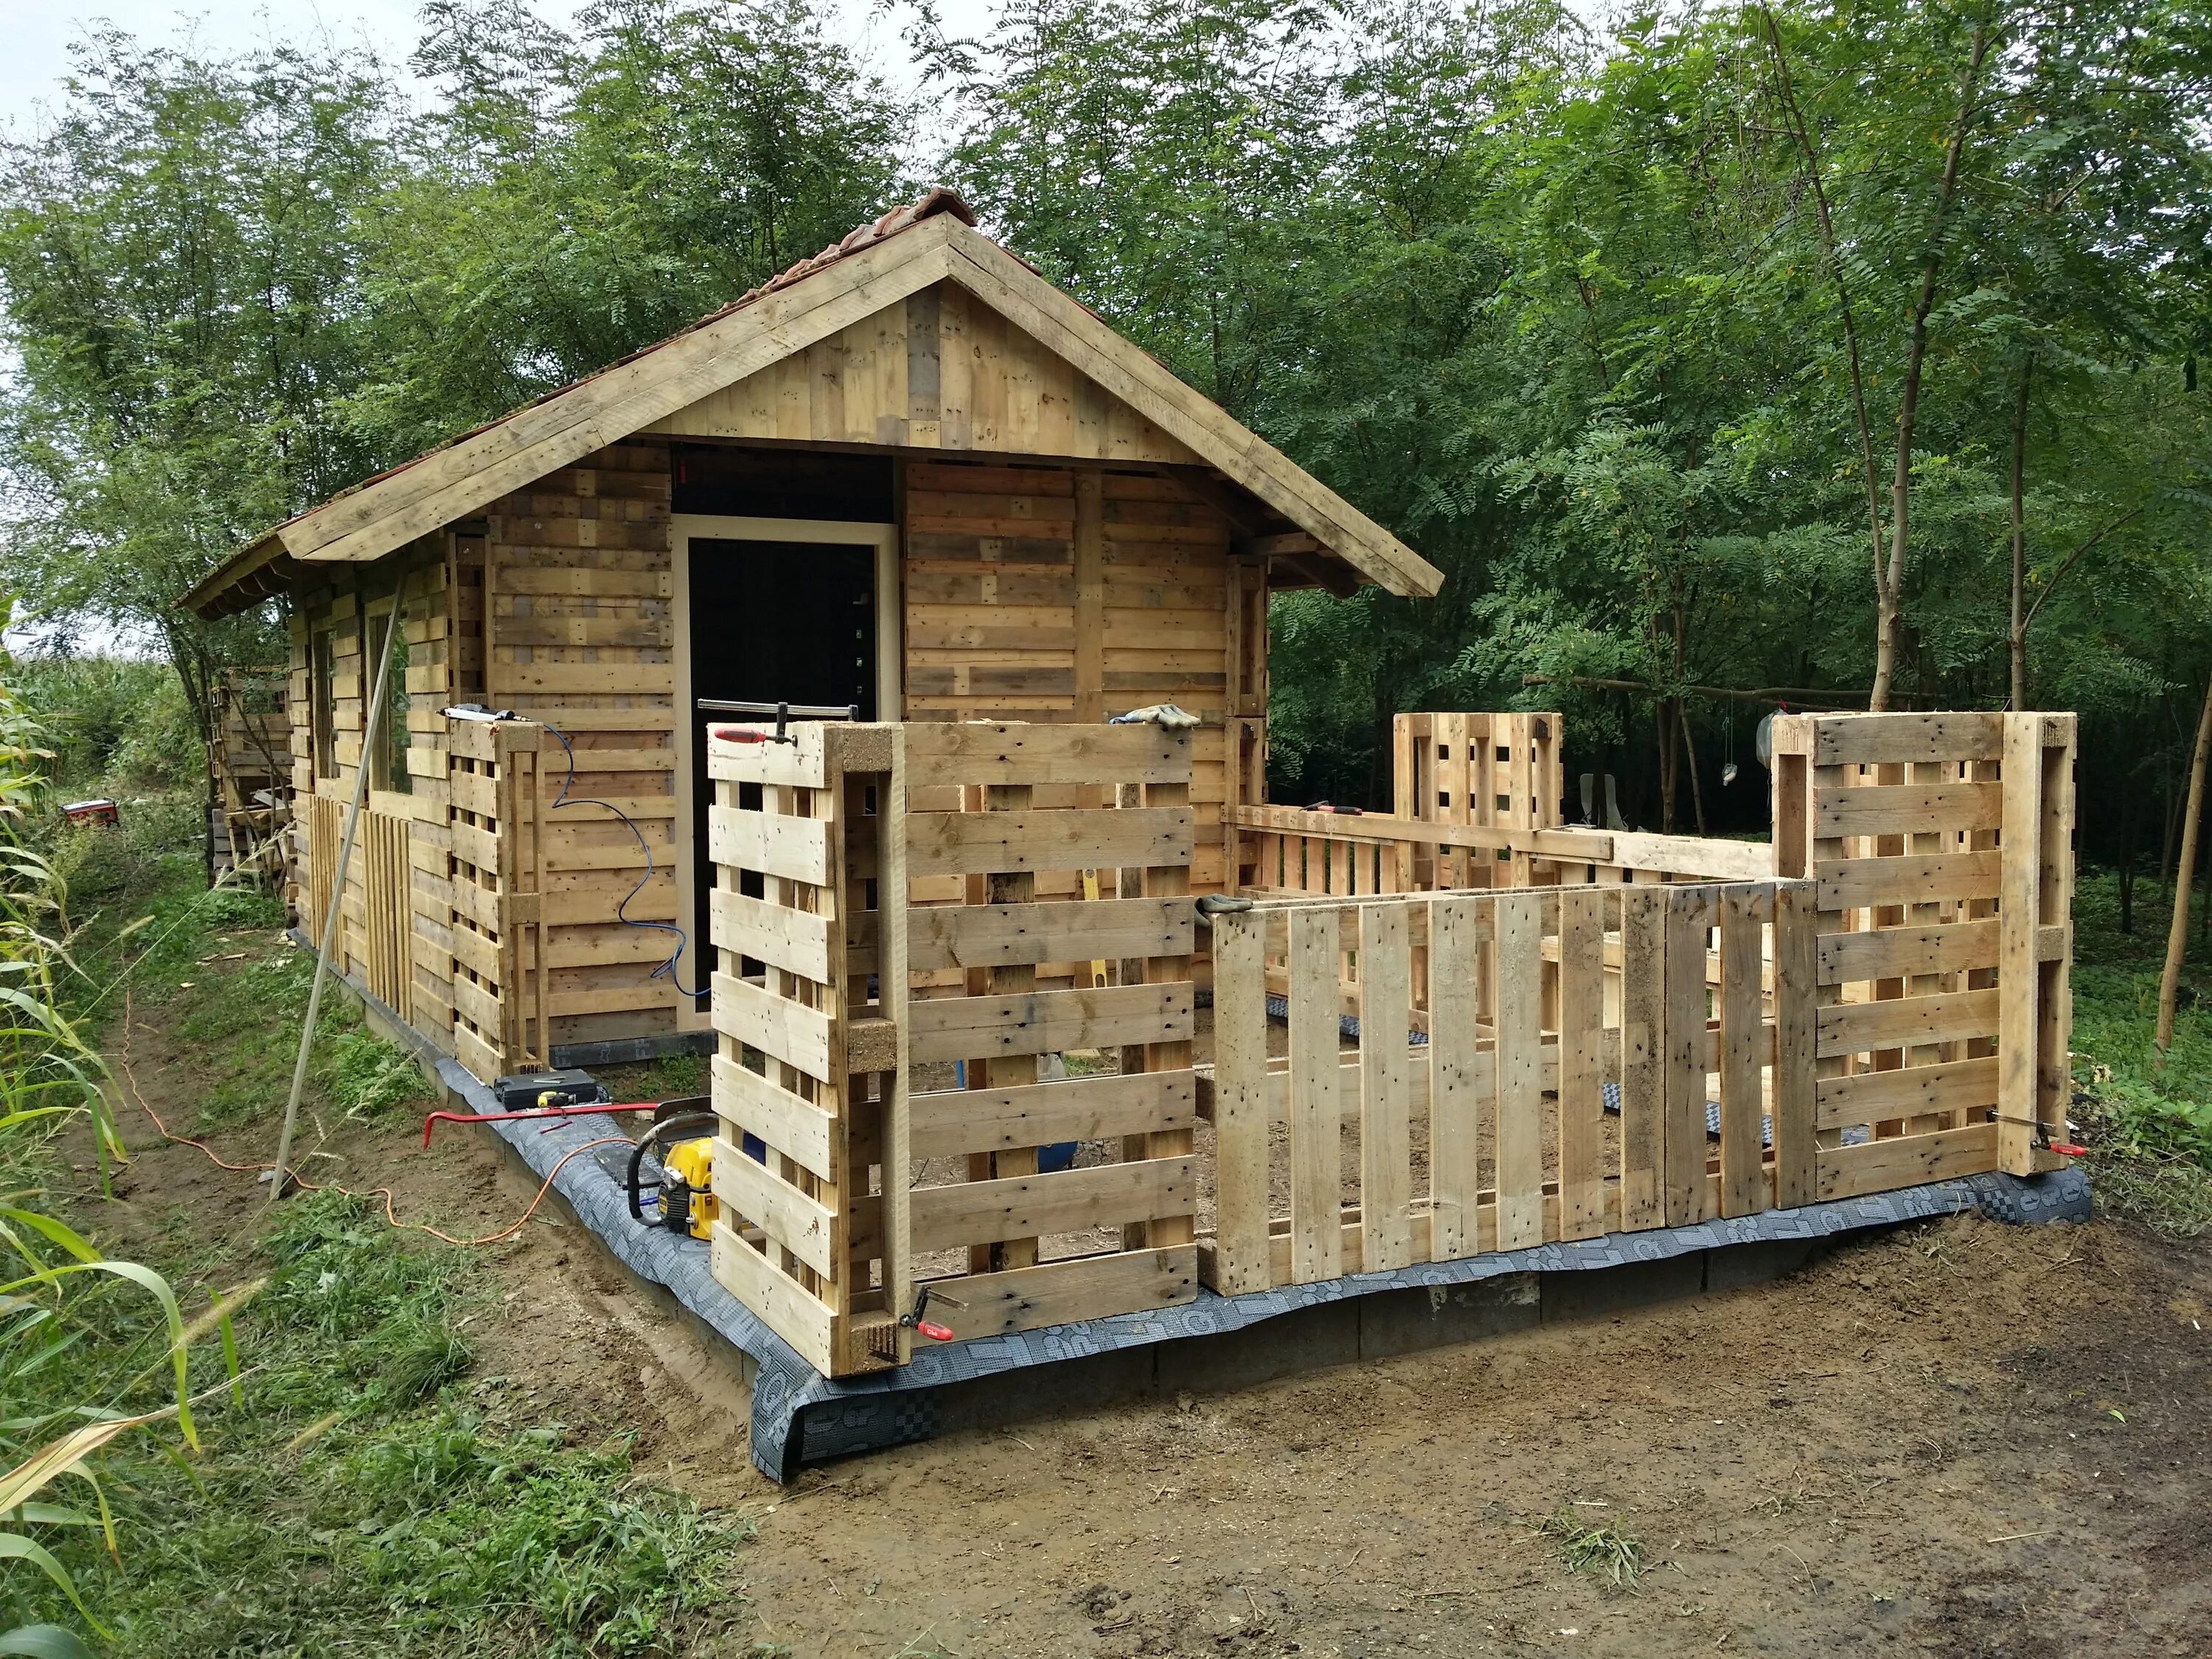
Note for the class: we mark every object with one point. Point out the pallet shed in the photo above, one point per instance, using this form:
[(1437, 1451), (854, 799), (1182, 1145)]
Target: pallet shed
[(908, 475)]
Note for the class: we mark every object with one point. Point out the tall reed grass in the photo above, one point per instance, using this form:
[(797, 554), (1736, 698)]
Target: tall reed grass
[(51, 1079)]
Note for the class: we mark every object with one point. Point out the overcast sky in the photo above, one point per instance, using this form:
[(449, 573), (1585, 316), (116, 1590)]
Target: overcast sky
[(37, 32)]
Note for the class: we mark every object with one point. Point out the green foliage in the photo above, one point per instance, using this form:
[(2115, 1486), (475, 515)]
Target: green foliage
[(116, 723), (369, 1075), (236, 286), (2148, 1126), (1569, 319), (361, 1497), (55, 1280)]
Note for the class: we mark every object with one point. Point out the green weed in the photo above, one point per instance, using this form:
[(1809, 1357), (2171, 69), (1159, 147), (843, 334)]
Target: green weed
[(1607, 1553), (369, 1076)]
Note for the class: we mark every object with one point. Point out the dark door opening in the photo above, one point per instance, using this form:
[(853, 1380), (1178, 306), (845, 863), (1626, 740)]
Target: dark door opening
[(772, 621)]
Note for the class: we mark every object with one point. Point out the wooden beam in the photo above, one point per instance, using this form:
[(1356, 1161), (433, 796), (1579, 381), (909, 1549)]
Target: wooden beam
[(1321, 572), (1288, 544)]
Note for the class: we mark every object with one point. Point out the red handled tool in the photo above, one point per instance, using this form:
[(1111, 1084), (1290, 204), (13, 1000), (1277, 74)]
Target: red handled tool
[(914, 1321)]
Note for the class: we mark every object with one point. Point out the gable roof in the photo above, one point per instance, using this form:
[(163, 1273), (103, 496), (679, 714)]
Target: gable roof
[(909, 249)]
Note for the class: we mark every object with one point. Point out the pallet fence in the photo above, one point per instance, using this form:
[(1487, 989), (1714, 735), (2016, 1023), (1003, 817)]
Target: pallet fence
[(1489, 1129), (814, 1237), (1712, 1030), (810, 1072)]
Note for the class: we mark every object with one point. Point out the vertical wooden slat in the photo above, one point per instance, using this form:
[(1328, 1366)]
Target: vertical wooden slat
[(1795, 969), (1011, 1070), (892, 996), (1743, 1175), (1581, 1105), (1642, 1041), (2055, 904), (1454, 1173), (1402, 798), (1240, 1104), (1932, 843), (2018, 911), (1386, 1171), (1683, 1140), (1316, 1126), (1520, 1079), (1168, 881), (1089, 553)]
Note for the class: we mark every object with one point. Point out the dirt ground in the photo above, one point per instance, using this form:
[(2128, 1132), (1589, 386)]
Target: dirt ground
[(1960, 1438)]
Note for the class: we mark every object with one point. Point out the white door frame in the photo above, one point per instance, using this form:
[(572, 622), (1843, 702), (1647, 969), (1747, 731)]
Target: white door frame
[(890, 657)]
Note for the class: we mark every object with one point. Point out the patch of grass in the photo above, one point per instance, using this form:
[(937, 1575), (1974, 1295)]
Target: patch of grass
[(672, 1077), (1607, 1552), (2148, 1126), (370, 1076), (359, 1492), (239, 990), (362, 1497)]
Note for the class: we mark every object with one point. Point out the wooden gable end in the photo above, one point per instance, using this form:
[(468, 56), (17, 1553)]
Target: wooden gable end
[(938, 369)]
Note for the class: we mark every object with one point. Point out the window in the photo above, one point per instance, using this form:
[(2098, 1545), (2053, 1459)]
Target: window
[(322, 702), (388, 769)]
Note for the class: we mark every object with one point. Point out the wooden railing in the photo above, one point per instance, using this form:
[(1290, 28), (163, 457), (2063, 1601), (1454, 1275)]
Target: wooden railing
[(1284, 849), (1476, 807)]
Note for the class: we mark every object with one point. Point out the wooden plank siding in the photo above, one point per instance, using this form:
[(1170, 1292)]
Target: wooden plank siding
[(935, 370), (392, 933), (1021, 605), (577, 586), (558, 605)]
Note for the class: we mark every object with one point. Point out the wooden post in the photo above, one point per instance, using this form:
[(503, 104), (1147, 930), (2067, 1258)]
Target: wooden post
[(1743, 1177), (1582, 1103), (1520, 1153), (1456, 926), (893, 991), (2176, 932), (1165, 881), (1795, 970), (1316, 1122), (1013, 979)]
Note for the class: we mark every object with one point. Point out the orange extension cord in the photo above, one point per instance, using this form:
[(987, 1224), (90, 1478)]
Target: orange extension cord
[(384, 1193)]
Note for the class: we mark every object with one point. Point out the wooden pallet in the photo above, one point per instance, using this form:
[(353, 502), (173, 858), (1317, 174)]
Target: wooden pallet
[(819, 1237), (1677, 995), (1941, 849)]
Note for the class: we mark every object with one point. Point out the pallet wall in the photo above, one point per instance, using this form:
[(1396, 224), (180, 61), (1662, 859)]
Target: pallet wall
[(1038, 591), (1062, 594), (576, 591), (392, 934)]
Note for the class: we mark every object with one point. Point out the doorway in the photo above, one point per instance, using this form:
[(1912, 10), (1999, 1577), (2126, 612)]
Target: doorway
[(771, 610)]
